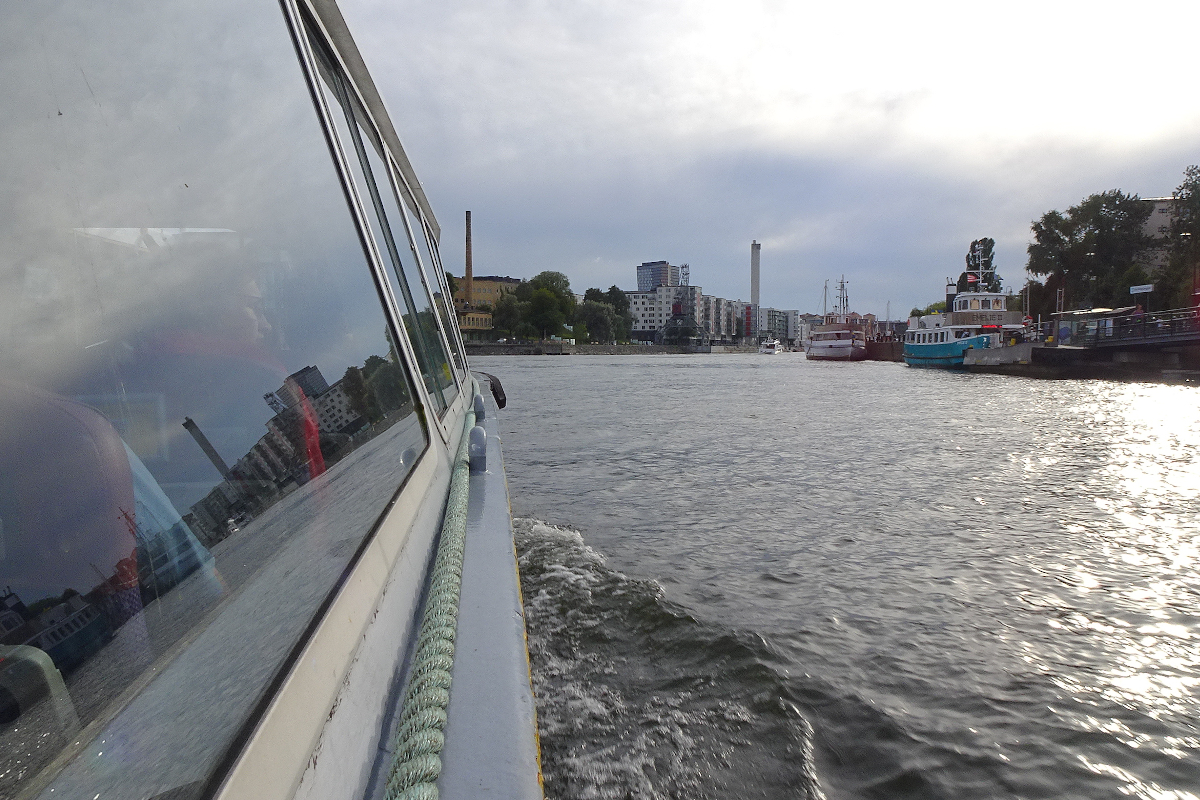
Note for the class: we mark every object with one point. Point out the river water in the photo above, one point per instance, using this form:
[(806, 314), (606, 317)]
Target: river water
[(767, 577)]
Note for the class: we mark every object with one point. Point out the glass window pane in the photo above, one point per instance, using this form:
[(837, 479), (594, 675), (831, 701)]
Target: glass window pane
[(388, 227), (202, 411), (431, 260)]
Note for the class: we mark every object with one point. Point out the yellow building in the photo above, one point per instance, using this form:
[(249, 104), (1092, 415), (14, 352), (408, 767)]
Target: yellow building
[(486, 290), (474, 321)]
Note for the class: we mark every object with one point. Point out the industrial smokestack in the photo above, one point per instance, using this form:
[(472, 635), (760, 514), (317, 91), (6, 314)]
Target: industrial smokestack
[(206, 446), (754, 248), (469, 278)]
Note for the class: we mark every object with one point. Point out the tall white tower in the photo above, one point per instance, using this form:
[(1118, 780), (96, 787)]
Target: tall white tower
[(754, 248)]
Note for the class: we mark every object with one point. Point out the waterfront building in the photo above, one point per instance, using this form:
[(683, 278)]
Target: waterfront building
[(776, 324), (1157, 226), (652, 309)]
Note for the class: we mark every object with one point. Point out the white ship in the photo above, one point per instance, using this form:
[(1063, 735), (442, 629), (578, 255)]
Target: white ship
[(841, 336)]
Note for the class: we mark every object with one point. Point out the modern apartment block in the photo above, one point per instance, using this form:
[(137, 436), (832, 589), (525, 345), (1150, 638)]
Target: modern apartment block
[(651, 309)]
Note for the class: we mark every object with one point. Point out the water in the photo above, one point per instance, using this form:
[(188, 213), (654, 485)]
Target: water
[(765, 577)]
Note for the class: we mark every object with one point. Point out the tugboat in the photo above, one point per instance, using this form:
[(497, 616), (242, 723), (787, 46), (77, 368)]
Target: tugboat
[(842, 336), (973, 320)]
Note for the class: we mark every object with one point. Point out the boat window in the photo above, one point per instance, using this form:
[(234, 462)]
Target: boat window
[(974, 303), (389, 226), (203, 413), (986, 304), (431, 261)]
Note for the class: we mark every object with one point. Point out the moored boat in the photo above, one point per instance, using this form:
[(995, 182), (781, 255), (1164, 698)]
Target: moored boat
[(770, 347), (973, 320), (842, 334)]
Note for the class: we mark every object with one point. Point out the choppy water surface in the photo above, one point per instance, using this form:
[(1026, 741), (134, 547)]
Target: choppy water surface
[(778, 578)]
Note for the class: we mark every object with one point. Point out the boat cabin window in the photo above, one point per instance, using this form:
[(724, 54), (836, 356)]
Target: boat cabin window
[(204, 406), (974, 303), (985, 304), (390, 225)]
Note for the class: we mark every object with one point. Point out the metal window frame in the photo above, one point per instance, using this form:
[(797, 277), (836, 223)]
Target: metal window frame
[(300, 21), (403, 179)]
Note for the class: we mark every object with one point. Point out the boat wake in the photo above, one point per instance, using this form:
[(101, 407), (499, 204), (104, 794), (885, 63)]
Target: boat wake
[(636, 698)]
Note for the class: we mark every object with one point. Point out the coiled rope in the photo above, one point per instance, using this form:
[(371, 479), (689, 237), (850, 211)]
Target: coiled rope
[(416, 756)]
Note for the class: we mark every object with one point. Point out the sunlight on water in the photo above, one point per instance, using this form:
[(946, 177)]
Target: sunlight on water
[(1142, 560), (992, 593)]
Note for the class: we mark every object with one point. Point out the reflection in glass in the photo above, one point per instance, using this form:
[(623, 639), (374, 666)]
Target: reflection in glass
[(389, 226), (202, 409), (429, 257)]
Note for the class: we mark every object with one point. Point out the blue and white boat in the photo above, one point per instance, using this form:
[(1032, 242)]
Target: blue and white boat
[(974, 320)]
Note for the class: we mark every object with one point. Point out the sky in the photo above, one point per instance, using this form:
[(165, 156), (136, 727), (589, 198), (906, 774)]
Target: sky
[(864, 139)]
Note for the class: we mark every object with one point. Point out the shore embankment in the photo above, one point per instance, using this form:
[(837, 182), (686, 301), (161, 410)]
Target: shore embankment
[(564, 349), (1037, 360)]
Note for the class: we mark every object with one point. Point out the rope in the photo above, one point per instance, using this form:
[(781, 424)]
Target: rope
[(416, 755)]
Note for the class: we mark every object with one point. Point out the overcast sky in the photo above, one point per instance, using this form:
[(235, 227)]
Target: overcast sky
[(874, 140)]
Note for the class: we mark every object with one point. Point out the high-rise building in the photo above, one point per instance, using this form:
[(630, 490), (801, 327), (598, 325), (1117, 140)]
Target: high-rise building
[(755, 247), (651, 274)]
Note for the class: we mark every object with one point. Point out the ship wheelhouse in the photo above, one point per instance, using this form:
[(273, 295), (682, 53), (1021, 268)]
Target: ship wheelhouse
[(231, 386)]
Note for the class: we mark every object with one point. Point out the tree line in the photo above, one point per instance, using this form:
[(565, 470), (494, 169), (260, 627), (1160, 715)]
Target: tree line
[(545, 305)]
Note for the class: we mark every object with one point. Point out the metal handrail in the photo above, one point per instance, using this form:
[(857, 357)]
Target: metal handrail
[(1101, 329)]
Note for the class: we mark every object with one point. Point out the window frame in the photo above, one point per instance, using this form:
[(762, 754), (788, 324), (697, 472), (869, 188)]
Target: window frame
[(302, 19)]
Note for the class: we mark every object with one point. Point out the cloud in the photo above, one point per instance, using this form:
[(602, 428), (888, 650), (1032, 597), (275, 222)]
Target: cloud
[(872, 139)]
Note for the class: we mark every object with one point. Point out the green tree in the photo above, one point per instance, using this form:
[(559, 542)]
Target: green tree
[(617, 299), (355, 388), (933, 308), (1091, 251), (388, 386), (1180, 276), (595, 296), (980, 259), (506, 317), (452, 284), (371, 364), (545, 313), (560, 286), (600, 318)]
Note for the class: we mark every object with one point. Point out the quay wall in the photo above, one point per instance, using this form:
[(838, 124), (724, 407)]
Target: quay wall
[(562, 349), (885, 351)]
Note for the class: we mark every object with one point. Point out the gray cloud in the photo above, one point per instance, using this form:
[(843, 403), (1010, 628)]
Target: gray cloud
[(582, 142)]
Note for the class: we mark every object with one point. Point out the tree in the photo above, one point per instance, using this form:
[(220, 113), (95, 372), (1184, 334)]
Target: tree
[(1092, 251), (933, 308), (371, 364), (389, 387), (595, 296), (980, 259), (1180, 276), (617, 299), (355, 388), (560, 286), (545, 313), (452, 283), (507, 315), (600, 318)]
